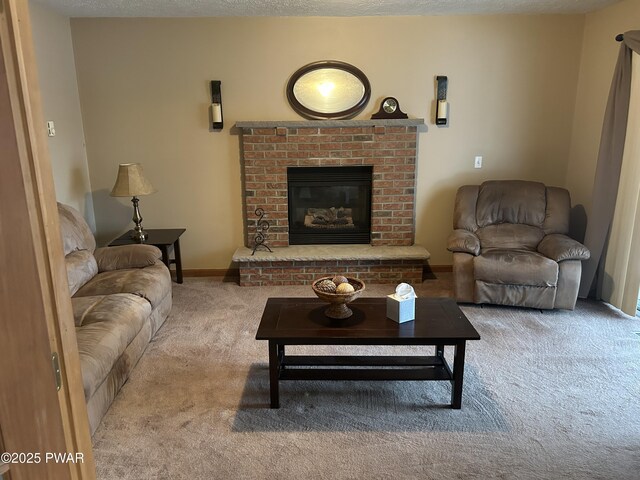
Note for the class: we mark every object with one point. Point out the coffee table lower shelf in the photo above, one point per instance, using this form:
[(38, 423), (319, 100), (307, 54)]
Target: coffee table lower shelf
[(370, 367)]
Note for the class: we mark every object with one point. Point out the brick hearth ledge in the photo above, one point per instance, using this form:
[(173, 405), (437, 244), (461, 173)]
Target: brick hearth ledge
[(302, 264), (310, 253)]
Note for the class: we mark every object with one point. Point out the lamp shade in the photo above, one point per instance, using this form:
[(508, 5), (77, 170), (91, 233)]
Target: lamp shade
[(131, 181)]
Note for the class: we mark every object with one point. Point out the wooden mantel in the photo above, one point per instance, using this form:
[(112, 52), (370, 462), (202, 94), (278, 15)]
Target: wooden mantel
[(396, 122)]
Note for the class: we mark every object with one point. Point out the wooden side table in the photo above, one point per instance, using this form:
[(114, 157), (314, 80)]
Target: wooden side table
[(164, 239)]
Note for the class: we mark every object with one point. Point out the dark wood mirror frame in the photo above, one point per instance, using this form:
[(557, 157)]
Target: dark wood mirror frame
[(328, 64)]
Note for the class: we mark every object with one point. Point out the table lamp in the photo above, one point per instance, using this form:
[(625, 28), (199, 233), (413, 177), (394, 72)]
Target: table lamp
[(131, 183)]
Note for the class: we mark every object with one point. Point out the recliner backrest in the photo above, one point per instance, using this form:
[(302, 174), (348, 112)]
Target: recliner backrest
[(496, 206), (511, 201)]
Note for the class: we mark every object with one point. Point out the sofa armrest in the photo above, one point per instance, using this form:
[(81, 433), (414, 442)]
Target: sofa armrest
[(559, 247), (463, 241), (126, 256)]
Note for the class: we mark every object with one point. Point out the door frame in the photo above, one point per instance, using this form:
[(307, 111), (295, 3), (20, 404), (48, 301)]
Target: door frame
[(33, 215)]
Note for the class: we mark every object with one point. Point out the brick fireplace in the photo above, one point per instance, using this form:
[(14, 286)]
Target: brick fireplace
[(270, 148)]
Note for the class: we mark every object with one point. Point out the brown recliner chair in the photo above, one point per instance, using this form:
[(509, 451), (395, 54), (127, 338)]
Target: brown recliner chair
[(510, 246)]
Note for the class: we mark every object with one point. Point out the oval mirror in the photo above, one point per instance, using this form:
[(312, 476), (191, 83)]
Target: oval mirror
[(328, 89)]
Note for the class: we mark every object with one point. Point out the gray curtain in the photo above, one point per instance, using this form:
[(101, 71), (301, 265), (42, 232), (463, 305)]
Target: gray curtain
[(607, 178)]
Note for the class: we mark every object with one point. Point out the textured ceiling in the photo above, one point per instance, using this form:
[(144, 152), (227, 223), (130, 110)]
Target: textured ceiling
[(342, 8)]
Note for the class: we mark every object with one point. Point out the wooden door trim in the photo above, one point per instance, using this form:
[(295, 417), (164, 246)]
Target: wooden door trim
[(17, 45)]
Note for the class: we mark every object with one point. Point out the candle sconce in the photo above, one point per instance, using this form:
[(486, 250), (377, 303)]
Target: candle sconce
[(442, 107), (216, 105)]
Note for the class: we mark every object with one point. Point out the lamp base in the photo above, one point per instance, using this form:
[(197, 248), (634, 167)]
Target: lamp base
[(138, 234)]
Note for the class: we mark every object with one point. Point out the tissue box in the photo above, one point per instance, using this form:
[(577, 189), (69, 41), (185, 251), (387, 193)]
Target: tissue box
[(401, 310)]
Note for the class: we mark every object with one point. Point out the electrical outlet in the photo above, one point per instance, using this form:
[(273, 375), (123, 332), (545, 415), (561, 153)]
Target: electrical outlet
[(478, 162)]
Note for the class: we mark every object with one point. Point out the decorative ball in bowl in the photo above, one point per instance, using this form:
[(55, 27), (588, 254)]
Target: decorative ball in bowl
[(338, 291)]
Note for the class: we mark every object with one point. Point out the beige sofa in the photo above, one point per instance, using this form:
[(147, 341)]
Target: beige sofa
[(120, 296), (510, 246)]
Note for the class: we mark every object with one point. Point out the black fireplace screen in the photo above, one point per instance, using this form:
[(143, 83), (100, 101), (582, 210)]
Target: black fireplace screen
[(329, 205)]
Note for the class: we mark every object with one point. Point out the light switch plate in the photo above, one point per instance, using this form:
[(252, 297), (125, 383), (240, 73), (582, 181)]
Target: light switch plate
[(51, 129)]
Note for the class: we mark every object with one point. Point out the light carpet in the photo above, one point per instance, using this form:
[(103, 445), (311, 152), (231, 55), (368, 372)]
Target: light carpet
[(547, 395)]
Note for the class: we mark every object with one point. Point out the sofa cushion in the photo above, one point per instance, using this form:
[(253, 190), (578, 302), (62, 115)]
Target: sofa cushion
[(76, 234), (511, 201), (126, 256), (105, 326), (151, 283), (81, 267), (515, 267), (510, 235)]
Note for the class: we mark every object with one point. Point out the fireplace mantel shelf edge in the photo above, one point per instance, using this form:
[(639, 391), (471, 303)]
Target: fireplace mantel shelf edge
[(391, 122), (310, 253)]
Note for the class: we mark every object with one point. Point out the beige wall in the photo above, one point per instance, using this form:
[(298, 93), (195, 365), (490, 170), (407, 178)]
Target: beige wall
[(61, 104), (599, 55), (144, 89)]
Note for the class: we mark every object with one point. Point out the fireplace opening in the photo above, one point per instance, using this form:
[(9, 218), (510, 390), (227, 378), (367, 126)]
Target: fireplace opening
[(329, 205)]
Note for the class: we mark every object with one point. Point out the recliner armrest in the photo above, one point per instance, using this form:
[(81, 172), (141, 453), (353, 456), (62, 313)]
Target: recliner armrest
[(463, 241), (126, 256), (559, 247)]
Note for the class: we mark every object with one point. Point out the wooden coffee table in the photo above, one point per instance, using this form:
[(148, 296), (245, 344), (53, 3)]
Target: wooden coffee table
[(301, 321)]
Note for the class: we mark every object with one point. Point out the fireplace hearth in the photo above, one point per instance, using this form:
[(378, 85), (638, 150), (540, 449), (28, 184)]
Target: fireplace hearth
[(329, 205)]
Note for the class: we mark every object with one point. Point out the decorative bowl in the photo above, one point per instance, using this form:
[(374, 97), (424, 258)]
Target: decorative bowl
[(338, 301)]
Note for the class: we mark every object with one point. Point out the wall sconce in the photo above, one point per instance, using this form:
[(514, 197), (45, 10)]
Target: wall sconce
[(216, 105), (442, 107)]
